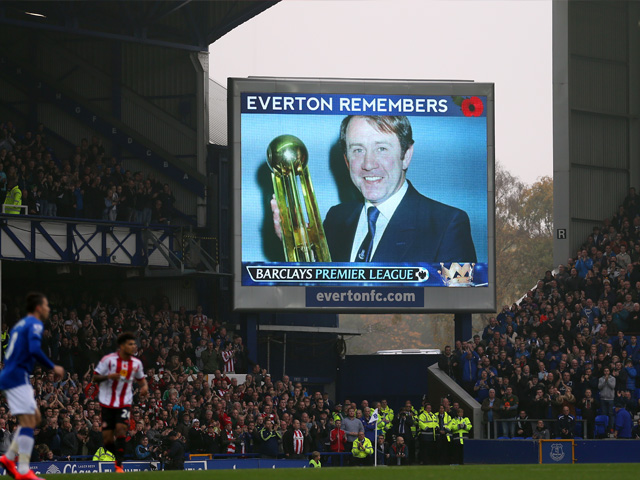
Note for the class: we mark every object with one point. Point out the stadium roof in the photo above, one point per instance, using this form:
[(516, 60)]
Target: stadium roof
[(188, 25)]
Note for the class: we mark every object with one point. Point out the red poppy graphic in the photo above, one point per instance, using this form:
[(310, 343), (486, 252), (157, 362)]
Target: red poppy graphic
[(472, 107)]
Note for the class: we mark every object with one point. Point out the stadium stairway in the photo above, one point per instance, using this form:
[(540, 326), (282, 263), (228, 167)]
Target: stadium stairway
[(442, 385)]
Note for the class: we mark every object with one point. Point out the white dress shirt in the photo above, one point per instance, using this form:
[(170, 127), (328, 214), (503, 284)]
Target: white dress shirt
[(387, 209)]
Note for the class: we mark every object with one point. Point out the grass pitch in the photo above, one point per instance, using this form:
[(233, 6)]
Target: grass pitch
[(597, 471)]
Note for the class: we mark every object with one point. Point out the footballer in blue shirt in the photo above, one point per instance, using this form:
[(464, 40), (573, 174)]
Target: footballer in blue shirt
[(19, 359)]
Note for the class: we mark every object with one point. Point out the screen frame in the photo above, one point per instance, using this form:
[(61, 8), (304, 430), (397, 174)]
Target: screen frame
[(293, 298)]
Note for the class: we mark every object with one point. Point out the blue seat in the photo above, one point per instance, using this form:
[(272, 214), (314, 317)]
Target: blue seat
[(601, 424), (504, 438), (578, 429)]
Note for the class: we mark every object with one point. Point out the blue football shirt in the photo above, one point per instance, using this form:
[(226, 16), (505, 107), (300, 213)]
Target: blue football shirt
[(24, 349)]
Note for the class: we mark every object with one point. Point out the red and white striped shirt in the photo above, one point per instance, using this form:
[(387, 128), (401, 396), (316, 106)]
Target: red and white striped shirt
[(231, 448), (298, 442), (229, 366), (118, 393)]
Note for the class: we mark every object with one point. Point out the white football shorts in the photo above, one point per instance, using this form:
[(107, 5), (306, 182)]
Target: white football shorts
[(21, 400)]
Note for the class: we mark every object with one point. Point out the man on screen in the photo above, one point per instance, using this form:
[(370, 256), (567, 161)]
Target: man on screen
[(395, 223)]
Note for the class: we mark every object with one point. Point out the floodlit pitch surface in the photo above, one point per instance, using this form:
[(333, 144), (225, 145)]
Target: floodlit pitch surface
[(596, 471)]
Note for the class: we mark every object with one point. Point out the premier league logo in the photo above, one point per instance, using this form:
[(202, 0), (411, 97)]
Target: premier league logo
[(557, 452)]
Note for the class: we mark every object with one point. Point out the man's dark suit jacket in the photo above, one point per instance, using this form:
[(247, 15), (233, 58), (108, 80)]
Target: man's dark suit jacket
[(421, 230)]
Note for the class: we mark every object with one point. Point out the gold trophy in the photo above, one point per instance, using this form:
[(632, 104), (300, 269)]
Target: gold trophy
[(303, 237)]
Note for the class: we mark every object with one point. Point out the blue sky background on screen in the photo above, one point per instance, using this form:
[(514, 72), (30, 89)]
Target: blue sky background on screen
[(441, 142), (504, 42)]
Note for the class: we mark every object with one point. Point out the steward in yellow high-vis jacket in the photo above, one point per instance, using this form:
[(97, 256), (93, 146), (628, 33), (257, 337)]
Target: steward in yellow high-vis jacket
[(13, 200), (428, 425), (103, 455), (459, 428), (362, 450), (386, 416)]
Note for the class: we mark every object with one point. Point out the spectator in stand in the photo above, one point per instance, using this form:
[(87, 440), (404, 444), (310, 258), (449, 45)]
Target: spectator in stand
[(541, 432), (623, 422), (523, 426), (589, 409), (270, 440), (338, 438), (158, 213), (69, 440), (469, 364), (295, 441), (209, 358), (482, 386), (143, 452), (5, 436), (398, 452), (382, 450), (607, 385), (353, 427), (565, 426), (447, 362), (509, 411), (491, 408)]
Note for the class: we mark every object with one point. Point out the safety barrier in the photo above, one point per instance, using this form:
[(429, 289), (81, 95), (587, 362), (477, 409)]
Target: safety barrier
[(48, 468), (530, 451)]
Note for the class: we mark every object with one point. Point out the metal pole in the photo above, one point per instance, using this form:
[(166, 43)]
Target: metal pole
[(284, 354), (268, 354), (375, 449)]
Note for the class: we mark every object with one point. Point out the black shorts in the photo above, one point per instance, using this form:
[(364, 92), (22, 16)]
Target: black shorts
[(112, 416)]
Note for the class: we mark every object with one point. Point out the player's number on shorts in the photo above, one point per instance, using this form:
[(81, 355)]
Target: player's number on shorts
[(125, 415), (12, 344)]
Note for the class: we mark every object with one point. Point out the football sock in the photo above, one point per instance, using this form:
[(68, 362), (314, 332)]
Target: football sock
[(119, 450), (25, 446), (12, 452)]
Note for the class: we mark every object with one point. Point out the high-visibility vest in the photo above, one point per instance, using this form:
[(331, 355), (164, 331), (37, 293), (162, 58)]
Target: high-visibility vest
[(459, 428), (314, 464), (414, 427), (14, 197), (428, 423), (366, 445), (103, 455), (386, 417)]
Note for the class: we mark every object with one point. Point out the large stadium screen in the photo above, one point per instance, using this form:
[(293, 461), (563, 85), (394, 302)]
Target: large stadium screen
[(362, 195)]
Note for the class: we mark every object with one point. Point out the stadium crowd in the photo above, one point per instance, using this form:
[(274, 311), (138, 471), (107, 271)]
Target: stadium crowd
[(89, 183), (568, 351), (205, 396)]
